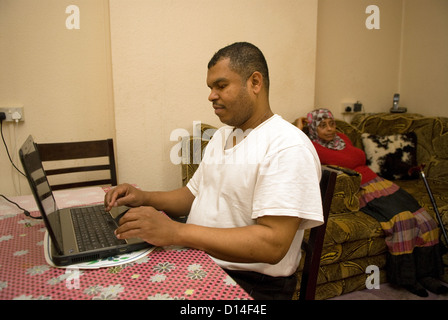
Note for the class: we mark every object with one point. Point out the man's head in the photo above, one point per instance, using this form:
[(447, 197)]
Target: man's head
[(238, 78), (245, 59)]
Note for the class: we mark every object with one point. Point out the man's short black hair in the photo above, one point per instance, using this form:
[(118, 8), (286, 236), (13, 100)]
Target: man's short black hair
[(245, 59)]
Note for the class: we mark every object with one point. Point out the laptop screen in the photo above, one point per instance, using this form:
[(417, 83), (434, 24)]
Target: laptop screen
[(40, 187)]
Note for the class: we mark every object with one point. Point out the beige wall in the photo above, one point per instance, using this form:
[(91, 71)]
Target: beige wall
[(407, 55), (353, 62), (424, 71), (61, 77), (160, 52)]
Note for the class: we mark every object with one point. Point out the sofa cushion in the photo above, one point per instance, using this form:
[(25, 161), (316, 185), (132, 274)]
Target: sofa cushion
[(356, 282), (349, 268), (439, 189), (351, 226), (391, 156), (351, 250), (345, 276)]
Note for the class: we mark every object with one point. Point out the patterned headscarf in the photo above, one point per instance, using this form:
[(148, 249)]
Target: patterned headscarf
[(314, 118)]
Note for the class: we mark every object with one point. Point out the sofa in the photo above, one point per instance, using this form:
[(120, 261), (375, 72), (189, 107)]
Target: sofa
[(353, 240)]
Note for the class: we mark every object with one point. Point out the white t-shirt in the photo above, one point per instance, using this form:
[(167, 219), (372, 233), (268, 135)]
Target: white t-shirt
[(273, 171)]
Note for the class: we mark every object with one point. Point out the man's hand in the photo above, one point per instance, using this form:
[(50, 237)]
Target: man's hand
[(124, 195), (147, 224)]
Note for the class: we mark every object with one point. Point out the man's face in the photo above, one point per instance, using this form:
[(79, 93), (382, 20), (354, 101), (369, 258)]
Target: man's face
[(229, 95)]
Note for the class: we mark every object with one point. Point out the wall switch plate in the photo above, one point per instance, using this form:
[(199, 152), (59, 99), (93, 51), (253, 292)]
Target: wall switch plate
[(347, 106), (13, 114)]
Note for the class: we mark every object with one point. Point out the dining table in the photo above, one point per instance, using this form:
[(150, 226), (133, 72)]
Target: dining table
[(162, 273)]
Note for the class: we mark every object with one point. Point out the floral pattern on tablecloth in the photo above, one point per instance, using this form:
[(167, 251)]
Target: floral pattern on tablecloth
[(173, 273)]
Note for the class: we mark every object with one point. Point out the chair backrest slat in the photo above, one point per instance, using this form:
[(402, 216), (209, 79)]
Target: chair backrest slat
[(53, 152)]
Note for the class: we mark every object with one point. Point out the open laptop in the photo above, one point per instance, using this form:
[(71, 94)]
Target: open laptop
[(75, 235)]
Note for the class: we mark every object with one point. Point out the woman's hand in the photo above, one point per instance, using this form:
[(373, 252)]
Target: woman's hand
[(301, 123)]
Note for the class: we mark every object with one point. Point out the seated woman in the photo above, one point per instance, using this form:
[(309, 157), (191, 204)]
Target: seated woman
[(412, 236)]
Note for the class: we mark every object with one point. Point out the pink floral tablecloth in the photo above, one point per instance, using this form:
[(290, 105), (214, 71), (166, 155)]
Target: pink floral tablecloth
[(165, 273)]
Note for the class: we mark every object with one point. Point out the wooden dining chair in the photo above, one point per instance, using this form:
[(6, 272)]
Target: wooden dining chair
[(87, 156), (313, 246)]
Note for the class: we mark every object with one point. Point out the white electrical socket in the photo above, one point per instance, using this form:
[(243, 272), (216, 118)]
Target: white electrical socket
[(13, 114), (344, 106)]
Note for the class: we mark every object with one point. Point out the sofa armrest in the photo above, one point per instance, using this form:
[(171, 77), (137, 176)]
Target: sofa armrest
[(193, 149), (191, 156), (345, 197)]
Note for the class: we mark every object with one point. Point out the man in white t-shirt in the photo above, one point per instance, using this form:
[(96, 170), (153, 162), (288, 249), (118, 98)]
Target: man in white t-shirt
[(254, 193)]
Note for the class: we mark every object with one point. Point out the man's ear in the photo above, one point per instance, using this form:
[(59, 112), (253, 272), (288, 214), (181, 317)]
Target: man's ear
[(256, 82)]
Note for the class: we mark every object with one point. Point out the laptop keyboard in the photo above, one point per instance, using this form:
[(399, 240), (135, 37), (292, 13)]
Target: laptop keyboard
[(94, 228)]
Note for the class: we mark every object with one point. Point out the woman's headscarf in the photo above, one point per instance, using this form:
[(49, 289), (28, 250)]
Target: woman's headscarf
[(314, 118)]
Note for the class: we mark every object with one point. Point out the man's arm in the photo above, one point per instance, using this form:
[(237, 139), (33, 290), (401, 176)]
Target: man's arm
[(267, 241)]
